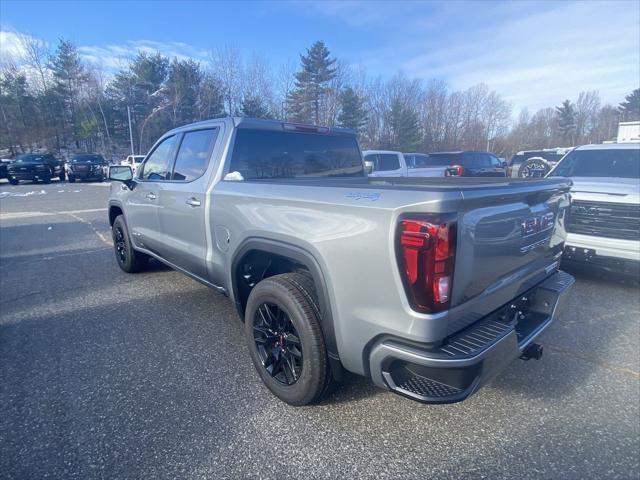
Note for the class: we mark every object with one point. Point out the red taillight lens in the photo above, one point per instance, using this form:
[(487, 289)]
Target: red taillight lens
[(426, 254)]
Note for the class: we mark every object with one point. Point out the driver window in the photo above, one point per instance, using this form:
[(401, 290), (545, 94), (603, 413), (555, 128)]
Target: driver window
[(159, 162)]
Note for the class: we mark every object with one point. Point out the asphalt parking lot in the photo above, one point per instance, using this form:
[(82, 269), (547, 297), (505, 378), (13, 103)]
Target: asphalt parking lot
[(109, 375)]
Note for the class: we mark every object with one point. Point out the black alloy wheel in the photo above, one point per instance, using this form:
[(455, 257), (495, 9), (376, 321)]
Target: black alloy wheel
[(120, 244), (278, 343)]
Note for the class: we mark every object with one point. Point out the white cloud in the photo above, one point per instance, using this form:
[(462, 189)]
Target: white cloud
[(113, 57), (11, 47), (535, 54)]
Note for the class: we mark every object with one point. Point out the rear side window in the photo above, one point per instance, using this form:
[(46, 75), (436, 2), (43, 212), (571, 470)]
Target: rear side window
[(383, 162), (158, 164), (444, 159), (193, 154), (388, 161), (477, 160), (420, 161), (264, 154)]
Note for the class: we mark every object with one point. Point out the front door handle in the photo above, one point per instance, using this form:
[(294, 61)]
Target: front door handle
[(151, 196), (193, 202)]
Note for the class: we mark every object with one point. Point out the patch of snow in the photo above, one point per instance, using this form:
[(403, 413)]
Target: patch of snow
[(22, 194)]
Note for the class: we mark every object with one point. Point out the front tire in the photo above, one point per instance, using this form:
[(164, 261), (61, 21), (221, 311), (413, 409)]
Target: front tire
[(128, 259), (62, 176), (282, 329), (72, 179), (13, 181)]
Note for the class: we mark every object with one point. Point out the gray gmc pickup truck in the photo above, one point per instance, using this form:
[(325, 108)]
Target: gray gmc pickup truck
[(429, 286)]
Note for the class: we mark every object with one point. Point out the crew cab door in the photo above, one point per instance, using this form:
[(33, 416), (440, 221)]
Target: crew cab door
[(387, 165), (141, 210), (184, 203)]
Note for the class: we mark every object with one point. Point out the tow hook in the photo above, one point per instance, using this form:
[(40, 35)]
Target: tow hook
[(532, 351)]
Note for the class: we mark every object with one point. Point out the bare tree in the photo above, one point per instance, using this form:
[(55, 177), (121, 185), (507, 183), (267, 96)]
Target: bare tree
[(227, 65)]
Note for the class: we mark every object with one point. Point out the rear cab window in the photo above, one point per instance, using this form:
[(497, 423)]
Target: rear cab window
[(271, 154)]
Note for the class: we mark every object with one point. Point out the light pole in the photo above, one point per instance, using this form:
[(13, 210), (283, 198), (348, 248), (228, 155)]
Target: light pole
[(130, 130)]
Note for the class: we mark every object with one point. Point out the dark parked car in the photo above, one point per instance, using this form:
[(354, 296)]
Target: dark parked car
[(4, 162), (472, 164), (34, 167), (87, 167)]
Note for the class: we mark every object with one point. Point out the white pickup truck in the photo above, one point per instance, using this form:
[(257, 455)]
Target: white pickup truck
[(386, 163)]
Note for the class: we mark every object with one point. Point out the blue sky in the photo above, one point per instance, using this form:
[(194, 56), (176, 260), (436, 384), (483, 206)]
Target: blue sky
[(533, 53)]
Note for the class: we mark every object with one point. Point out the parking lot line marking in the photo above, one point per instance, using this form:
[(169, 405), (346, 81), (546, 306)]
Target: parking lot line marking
[(18, 215), (90, 225)]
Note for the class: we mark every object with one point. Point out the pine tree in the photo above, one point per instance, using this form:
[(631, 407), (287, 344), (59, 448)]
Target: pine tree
[(181, 90), (630, 108), (566, 121), (318, 69), (352, 114), (404, 125), (253, 106), (68, 77)]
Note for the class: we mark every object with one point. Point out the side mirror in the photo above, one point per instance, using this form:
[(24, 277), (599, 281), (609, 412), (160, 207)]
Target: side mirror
[(368, 167), (120, 173), (505, 164)]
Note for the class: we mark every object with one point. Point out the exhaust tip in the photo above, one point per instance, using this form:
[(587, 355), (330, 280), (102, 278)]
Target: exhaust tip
[(532, 351)]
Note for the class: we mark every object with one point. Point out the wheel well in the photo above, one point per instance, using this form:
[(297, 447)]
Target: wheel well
[(256, 265), (113, 213)]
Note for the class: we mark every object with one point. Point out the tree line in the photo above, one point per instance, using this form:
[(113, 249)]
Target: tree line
[(55, 100)]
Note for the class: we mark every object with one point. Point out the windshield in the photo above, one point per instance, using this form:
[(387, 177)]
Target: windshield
[(87, 159), (620, 163), (30, 158)]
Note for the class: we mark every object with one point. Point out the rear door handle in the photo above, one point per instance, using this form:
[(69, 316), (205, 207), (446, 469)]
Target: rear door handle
[(193, 202), (151, 196)]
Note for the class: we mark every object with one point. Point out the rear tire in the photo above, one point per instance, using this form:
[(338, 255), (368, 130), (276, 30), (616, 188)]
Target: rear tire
[(129, 260), (46, 178), (282, 329), (534, 167)]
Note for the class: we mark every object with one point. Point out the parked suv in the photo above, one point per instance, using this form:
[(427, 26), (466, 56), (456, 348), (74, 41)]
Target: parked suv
[(430, 286), (35, 167), (471, 164), (87, 166), (604, 222)]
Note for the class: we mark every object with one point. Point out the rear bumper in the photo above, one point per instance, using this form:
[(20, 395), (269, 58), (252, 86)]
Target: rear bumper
[(604, 247), (467, 360)]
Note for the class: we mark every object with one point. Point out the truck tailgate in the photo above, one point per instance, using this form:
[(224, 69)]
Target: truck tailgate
[(508, 240)]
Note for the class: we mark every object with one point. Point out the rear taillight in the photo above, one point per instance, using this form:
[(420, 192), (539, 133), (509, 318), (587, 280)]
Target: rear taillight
[(425, 248), (454, 171)]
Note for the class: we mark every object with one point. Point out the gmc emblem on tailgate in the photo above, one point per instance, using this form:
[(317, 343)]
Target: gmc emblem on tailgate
[(539, 223)]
